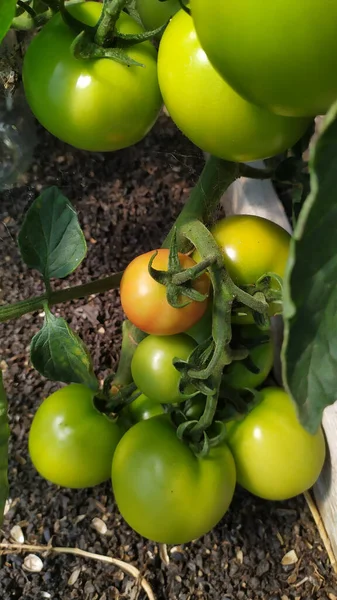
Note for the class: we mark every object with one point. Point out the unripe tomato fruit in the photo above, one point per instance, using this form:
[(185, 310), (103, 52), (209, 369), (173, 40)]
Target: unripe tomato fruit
[(207, 110), (281, 54), (154, 13), (237, 375), (95, 104), (275, 457), (141, 409), (70, 442), (251, 246), (163, 491), (152, 366), (144, 300)]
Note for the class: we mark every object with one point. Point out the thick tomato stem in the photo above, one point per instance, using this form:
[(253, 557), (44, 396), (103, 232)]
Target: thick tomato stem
[(217, 175), (106, 25)]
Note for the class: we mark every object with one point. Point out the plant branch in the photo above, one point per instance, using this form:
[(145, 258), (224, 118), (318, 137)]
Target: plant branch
[(216, 177), (7, 548), (98, 286)]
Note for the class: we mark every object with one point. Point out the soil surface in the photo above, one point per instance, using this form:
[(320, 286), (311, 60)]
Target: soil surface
[(126, 203)]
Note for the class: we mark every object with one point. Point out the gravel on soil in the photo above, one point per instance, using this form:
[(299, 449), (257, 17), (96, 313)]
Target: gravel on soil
[(126, 203)]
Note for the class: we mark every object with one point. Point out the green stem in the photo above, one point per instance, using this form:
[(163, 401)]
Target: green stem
[(216, 177), (106, 25), (98, 286), (4, 435), (131, 338), (28, 9)]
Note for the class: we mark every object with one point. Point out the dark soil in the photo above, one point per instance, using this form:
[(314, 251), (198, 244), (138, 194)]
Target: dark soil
[(126, 203)]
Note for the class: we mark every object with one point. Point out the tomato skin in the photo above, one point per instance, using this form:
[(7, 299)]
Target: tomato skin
[(152, 368), (96, 105), (163, 491), (154, 13), (70, 442), (275, 457), (279, 56), (251, 246), (206, 108), (144, 300), (142, 409), (237, 375)]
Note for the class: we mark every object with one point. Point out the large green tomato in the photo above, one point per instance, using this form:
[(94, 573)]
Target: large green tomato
[(275, 457), (206, 108), (154, 13), (237, 375), (281, 54), (70, 442), (152, 368), (97, 104), (163, 490)]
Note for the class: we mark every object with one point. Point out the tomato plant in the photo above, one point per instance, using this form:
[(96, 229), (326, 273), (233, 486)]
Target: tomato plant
[(275, 457), (163, 490), (70, 442), (96, 104), (144, 299), (207, 109), (237, 375), (154, 13), (153, 370), (279, 56)]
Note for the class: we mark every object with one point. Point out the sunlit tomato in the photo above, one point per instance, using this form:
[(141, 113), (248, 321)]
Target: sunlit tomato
[(251, 246), (163, 490), (144, 300), (237, 375), (206, 108), (280, 54), (154, 13), (96, 104), (152, 367), (275, 457), (70, 442)]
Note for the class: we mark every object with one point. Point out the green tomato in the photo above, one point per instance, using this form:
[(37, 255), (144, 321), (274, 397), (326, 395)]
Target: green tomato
[(163, 491), (70, 442), (281, 55), (208, 111), (251, 247), (154, 13), (141, 409), (275, 457), (152, 367), (237, 375), (97, 104)]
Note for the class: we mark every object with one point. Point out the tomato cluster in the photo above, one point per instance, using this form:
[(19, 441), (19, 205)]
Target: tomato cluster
[(164, 489), (236, 85)]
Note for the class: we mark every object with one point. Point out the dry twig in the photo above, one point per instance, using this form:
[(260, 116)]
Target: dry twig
[(7, 548)]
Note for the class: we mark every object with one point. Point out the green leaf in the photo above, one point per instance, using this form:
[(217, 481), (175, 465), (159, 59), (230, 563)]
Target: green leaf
[(60, 355), (51, 239), (4, 435), (7, 14), (309, 353)]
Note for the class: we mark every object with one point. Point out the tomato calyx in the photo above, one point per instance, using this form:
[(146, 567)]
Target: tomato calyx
[(178, 281), (104, 40)]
